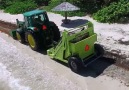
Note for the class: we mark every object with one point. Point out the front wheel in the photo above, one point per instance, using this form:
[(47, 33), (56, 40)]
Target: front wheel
[(33, 41), (20, 37), (74, 64)]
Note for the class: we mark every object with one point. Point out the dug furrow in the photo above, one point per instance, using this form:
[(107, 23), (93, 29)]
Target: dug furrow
[(6, 27)]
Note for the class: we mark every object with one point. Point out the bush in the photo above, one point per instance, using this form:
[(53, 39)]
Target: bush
[(52, 4), (116, 12), (88, 6), (20, 7), (41, 2), (5, 3)]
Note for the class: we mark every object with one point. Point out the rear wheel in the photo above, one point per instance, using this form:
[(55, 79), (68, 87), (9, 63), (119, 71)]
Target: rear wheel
[(20, 37), (56, 33), (75, 64), (33, 41), (99, 49)]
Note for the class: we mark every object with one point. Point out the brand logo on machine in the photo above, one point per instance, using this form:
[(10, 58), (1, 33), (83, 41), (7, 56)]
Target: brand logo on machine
[(87, 48)]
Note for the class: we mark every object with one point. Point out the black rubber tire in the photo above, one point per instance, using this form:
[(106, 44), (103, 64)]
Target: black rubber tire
[(56, 33), (75, 64), (37, 44), (99, 49), (20, 37)]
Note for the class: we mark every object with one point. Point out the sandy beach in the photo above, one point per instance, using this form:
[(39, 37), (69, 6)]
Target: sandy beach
[(24, 69)]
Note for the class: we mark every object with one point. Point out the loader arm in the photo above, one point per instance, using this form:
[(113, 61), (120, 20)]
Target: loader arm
[(61, 50)]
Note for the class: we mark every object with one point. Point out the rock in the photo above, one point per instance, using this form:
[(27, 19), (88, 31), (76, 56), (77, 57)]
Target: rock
[(124, 40), (115, 51), (127, 59)]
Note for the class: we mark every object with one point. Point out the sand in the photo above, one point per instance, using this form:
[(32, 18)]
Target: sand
[(29, 70)]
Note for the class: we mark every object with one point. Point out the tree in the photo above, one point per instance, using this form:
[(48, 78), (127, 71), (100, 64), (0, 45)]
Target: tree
[(42, 2)]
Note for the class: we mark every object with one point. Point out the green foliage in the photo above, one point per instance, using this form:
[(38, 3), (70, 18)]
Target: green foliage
[(5, 3), (108, 11), (52, 4), (41, 2), (88, 6), (116, 12), (20, 7)]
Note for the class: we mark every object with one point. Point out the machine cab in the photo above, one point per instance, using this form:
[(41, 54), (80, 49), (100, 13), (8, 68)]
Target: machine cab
[(35, 17)]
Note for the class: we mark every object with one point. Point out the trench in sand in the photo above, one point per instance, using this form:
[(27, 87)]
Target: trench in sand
[(6, 27)]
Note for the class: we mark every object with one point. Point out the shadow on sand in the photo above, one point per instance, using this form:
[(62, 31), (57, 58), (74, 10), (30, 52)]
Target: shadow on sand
[(97, 68), (94, 69), (74, 23)]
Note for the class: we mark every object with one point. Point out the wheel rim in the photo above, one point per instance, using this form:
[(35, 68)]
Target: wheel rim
[(31, 41), (73, 65), (18, 36)]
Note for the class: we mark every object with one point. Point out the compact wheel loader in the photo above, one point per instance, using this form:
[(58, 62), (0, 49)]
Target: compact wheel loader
[(76, 46)]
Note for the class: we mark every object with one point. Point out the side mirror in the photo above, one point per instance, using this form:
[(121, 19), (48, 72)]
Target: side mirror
[(17, 21), (18, 24)]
